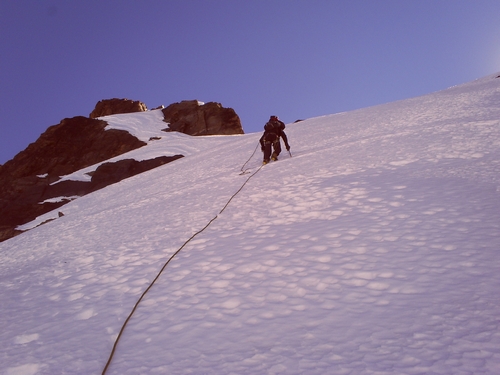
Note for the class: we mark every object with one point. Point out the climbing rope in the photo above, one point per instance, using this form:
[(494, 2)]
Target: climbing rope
[(113, 350), (244, 171)]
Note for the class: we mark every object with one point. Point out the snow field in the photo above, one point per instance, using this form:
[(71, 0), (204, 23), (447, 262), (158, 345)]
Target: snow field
[(373, 250)]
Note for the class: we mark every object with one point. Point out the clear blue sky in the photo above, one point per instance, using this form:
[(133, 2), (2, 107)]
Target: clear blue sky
[(293, 58)]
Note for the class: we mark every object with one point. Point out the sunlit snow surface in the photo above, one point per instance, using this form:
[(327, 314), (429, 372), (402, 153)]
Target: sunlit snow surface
[(375, 249)]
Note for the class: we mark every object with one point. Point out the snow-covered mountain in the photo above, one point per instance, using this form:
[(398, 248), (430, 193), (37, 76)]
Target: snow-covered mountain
[(374, 249)]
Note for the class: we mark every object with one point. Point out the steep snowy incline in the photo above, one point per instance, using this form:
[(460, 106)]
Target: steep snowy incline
[(373, 250)]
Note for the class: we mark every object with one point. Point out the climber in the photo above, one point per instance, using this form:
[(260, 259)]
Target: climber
[(273, 131)]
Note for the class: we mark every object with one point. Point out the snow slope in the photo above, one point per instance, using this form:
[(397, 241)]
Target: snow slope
[(375, 249)]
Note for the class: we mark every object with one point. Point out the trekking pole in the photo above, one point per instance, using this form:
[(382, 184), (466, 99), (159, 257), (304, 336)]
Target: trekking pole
[(290, 153)]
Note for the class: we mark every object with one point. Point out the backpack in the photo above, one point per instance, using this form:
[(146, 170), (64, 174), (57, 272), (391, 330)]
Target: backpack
[(272, 131), (274, 127)]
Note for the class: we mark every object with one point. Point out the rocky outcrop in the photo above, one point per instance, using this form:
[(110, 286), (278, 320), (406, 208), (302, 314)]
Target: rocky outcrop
[(110, 173), (73, 144), (116, 106), (195, 118)]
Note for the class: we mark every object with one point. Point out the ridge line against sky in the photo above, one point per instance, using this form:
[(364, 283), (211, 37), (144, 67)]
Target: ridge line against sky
[(295, 59)]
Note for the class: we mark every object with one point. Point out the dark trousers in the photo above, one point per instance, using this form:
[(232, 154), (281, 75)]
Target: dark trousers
[(269, 146)]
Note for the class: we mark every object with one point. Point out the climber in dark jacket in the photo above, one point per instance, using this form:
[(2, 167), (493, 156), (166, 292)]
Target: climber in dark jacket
[(273, 131)]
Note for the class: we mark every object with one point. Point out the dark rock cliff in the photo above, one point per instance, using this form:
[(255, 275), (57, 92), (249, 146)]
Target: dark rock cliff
[(194, 118), (73, 144)]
